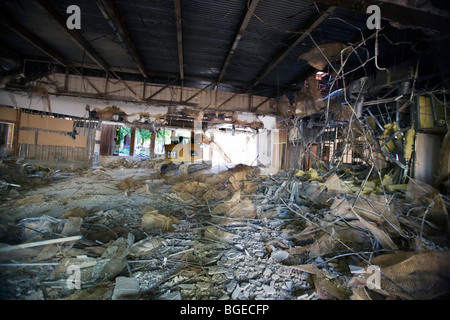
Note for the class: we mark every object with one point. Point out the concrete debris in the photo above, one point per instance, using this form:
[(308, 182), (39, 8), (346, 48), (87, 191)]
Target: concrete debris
[(314, 234), (126, 289)]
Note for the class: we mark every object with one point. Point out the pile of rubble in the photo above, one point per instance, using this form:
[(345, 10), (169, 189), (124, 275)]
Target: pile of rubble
[(341, 234), (129, 163)]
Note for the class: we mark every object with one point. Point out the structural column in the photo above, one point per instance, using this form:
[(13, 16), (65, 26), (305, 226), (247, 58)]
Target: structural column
[(132, 141), (152, 144)]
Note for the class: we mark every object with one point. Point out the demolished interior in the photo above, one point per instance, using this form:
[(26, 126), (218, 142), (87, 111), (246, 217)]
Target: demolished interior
[(224, 150)]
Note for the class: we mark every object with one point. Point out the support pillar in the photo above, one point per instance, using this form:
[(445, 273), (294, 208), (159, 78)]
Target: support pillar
[(132, 141)]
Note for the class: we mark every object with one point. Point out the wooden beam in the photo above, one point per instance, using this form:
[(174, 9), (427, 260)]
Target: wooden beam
[(38, 243), (157, 92), (198, 92), (243, 25), (259, 105), (178, 16), (234, 95), (132, 141), (287, 47), (112, 13), (152, 144), (126, 85)]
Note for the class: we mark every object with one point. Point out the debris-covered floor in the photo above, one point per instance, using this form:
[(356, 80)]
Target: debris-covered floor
[(126, 232)]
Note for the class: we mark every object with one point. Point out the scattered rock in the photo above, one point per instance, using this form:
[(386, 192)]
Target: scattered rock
[(280, 255)]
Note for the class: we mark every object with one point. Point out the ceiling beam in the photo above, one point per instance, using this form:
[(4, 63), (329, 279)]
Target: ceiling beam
[(79, 40), (243, 25), (37, 42), (158, 91), (287, 47), (159, 77), (198, 92), (179, 20), (74, 35), (259, 105), (111, 13)]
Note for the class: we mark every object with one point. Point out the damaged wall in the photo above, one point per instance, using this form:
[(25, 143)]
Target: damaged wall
[(155, 94), (136, 111), (50, 139)]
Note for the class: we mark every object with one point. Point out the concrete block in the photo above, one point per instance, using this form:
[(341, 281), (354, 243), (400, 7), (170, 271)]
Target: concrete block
[(126, 289)]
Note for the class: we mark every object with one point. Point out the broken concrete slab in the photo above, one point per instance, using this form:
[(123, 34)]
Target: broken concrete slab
[(126, 289)]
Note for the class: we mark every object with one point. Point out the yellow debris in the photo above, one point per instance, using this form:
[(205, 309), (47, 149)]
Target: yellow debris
[(312, 174), (300, 173), (396, 187), (387, 180), (409, 142)]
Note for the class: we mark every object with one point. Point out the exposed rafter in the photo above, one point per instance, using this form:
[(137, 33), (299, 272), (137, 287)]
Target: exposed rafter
[(158, 91), (73, 34), (32, 38), (178, 16), (78, 39), (37, 42), (198, 92), (259, 105), (111, 12), (237, 37), (286, 48), (227, 100)]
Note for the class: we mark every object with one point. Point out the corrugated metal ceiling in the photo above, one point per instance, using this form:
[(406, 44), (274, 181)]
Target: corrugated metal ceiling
[(208, 31)]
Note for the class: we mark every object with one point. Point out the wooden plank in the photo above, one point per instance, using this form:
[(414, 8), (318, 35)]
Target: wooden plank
[(39, 243), (27, 136), (47, 123), (56, 139), (7, 114)]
